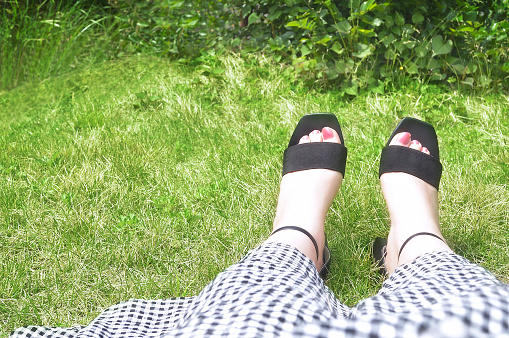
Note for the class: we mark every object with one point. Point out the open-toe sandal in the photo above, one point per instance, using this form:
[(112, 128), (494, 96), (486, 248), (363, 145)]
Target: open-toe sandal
[(416, 163), (315, 155)]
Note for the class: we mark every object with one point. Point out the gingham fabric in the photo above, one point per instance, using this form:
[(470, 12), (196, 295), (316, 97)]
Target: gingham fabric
[(276, 291)]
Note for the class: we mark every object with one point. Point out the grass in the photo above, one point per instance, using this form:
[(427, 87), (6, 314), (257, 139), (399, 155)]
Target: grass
[(48, 38), (141, 178)]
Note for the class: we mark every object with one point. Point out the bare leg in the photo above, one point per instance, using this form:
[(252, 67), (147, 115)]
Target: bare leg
[(413, 208), (304, 199)]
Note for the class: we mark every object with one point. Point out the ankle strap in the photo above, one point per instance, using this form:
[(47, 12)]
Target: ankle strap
[(304, 231), (415, 235)]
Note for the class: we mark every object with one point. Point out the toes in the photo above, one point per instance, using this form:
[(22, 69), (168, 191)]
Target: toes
[(316, 136), (304, 139), (330, 135), (405, 139), (401, 139), (326, 135), (415, 145)]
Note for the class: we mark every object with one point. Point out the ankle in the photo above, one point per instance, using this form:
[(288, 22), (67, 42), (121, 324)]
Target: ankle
[(302, 242), (404, 249)]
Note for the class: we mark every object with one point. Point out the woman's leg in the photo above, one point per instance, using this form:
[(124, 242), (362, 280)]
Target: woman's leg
[(431, 291), (304, 199), (277, 285), (413, 208)]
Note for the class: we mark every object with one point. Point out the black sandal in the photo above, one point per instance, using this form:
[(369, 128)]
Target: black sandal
[(315, 155), (416, 163)]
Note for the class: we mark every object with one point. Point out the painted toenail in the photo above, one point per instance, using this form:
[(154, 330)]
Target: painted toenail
[(315, 132), (404, 138), (327, 133), (305, 139)]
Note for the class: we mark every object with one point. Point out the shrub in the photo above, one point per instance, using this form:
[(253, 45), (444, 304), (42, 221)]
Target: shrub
[(352, 45)]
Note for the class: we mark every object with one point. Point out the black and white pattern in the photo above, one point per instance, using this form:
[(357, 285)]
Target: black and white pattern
[(276, 291)]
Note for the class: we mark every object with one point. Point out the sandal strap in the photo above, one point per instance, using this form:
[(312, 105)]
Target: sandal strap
[(403, 159), (315, 155), (417, 234), (304, 231), (411, 161)]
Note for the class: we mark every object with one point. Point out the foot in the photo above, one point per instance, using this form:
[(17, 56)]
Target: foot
[(413, 208), (304, 199)]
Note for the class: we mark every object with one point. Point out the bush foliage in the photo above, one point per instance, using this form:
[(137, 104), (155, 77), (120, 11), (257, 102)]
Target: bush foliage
[(351, 45)]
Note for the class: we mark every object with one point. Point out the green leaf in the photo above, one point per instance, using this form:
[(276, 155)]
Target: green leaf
[(452, 60), (466, 29), (377, 87), (287, 36), (434, 64), (344, 67), (377, 22), (396, 30), (410, 44), (362, 51), (331, 73), (484, 80), (336, 47), (367, 32), (293, 24), (389, 21), (388, 39), (422, 49), (343, 26), (412, 68), (400, 46), (399, 19), (366, 6), (324, 40), (470, 16), (274, 15), (141, 95), (305, 50), (440, 47), (390, 54), (190, 23), (351, 89), (438, 77), (468, 81), (452, 79), (417, 17), (459, 68), (252, 18), (218, 71), (471, 68)]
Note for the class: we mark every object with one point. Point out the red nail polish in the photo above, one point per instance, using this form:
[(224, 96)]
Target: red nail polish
[(327, 133), (404, 138)]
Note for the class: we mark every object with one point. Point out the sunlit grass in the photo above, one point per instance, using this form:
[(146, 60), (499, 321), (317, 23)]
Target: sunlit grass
[(107, 195), (50, 38)]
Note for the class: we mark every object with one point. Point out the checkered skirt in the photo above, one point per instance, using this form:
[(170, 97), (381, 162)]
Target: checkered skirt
[(276, 291)]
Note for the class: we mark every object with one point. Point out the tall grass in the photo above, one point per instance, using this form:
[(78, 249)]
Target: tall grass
[(141, 178), (48, 38)]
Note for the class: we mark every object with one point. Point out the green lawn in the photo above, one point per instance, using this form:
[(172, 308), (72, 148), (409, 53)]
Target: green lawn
[(143, 179)]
